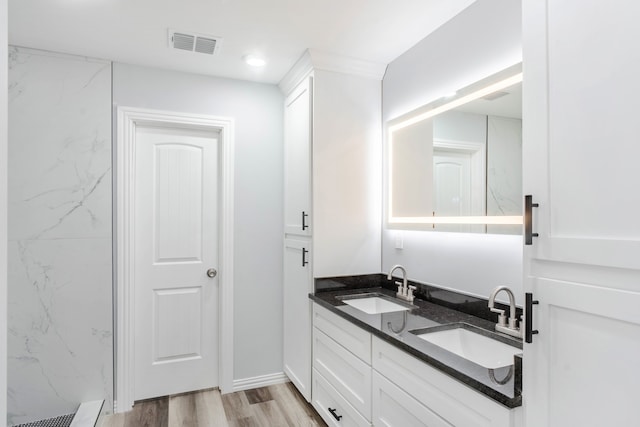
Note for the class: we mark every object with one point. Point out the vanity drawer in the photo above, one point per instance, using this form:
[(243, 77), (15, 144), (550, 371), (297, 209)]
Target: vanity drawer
[(451, 400), (325, 397), (351, 337), (349, 375), (393, 407)]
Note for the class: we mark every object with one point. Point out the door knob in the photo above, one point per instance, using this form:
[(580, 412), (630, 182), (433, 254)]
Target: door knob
[(212, 272)]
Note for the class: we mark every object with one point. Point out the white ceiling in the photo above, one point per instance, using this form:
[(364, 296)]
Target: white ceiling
[(135, 31)]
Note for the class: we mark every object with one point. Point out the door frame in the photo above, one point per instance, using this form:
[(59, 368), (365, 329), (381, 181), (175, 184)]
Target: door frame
[(127, 120)]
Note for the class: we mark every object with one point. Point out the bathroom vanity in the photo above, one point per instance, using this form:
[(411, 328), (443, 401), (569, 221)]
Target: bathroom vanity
[(390, 362)]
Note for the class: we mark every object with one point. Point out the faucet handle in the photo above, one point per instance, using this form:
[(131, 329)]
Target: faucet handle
[(400, 288), (502, 319), (513, 323)]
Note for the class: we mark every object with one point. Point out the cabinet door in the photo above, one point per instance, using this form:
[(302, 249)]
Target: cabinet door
[(581, 101), (297, 315), (297, 160), (334, 409), (580, 151), (446, 398), (392, 407), (344, 371)]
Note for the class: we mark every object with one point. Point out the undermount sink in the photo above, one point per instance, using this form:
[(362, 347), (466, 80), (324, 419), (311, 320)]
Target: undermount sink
[(479, 349), (374, 304)]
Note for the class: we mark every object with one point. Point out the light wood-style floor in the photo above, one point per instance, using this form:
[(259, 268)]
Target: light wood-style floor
[(277, 405)]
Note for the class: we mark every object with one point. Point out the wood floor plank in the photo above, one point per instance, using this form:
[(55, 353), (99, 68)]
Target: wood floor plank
[(269, 414), (296, 407), (258, 395), (279, 405), (236, 406), (149, 413), (210, 409), (114, 420), (182, 411), (244, 422)]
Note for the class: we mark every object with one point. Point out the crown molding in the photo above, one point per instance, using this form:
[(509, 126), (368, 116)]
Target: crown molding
[(343, 64), (301, 69), (313, 59)]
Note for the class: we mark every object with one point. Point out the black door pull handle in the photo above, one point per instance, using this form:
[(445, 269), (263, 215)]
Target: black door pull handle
[(333, 412)]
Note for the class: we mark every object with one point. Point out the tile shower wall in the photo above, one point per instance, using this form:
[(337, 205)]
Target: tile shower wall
[(60, 315)]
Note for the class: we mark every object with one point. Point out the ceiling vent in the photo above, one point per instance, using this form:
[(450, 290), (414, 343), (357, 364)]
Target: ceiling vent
[(193, 42)]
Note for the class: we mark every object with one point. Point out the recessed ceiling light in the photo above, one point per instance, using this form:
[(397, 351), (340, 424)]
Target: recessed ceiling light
[(254, 61)]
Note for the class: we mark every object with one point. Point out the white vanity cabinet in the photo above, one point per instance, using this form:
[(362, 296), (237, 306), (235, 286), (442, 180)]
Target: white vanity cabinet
[(334, 409), (341, 365), (434, 398), (363, 380)]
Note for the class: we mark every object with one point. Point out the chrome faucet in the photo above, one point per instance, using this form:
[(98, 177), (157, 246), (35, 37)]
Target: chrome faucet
[(512, 327), (404, 292)]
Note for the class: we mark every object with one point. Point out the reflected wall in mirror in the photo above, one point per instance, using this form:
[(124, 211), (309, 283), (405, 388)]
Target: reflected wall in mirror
[(456, 164)]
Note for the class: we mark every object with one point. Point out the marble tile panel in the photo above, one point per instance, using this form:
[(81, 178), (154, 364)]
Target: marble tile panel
[(59, 146), (504, 169), (60, 327)]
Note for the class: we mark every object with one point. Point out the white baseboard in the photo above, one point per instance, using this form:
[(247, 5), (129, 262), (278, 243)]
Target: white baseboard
[(260, 381)]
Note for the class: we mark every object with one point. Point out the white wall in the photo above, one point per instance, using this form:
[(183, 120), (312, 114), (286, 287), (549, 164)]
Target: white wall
[(347, 177), (482, 39), (258, 114), (3, 210)]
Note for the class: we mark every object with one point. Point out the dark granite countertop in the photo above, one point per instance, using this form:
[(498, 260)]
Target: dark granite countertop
[(503, 384)]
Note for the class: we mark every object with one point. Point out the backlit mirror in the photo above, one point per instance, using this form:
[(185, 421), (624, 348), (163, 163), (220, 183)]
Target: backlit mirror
[(456, 164)]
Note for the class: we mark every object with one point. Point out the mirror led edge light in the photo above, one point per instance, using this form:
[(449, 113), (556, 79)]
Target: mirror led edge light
[(495, 220), (502, 84)]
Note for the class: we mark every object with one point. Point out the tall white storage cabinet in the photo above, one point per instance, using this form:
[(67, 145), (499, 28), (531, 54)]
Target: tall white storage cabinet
[(332, 187), (580, 152), (298, 280)]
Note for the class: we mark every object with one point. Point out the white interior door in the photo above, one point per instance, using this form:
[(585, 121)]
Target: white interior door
[(452, 194), (452, 181), (175, 244)]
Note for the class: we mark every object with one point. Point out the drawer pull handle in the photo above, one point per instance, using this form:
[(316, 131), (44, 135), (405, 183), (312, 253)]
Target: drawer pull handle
[(333, 412), (528, 220), (529, 332)]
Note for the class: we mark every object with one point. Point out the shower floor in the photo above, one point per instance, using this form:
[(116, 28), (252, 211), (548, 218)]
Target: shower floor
[(61, 421)]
